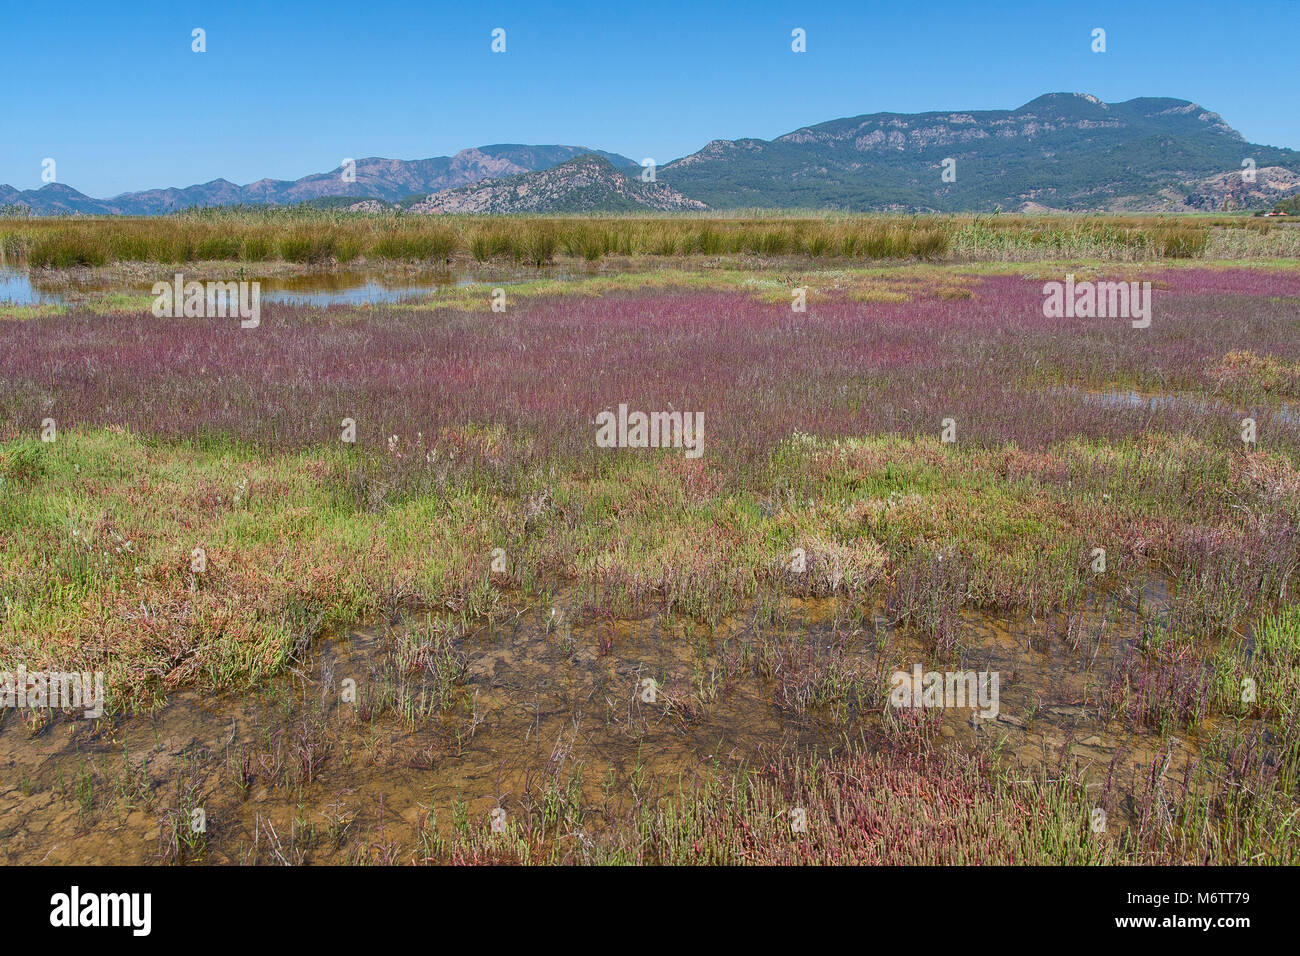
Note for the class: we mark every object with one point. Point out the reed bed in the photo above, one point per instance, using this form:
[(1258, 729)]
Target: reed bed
[(337, 238)]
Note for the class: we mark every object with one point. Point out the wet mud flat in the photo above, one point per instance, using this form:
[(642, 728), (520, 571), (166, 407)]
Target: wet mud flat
[(383, 742)]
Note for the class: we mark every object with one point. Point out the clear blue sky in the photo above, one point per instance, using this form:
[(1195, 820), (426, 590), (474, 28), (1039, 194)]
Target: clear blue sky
[(113, 93)]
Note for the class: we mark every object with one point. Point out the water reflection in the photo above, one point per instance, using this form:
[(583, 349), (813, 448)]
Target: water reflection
[(315, 289), (16, 289)]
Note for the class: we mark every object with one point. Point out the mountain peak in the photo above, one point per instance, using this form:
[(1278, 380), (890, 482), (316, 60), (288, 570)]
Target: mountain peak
[(59, 189), (587, 183), (1063, 99)]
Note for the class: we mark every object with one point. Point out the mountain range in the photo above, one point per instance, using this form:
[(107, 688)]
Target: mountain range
[(1061, 151), (388, 180)]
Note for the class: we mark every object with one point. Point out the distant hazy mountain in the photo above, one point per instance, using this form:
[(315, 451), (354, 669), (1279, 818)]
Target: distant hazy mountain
[(585, 184), (1062, 150), (386, 179), (55, 199)]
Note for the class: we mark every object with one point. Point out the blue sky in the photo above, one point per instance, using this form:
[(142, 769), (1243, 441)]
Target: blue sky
[(114, 94)]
